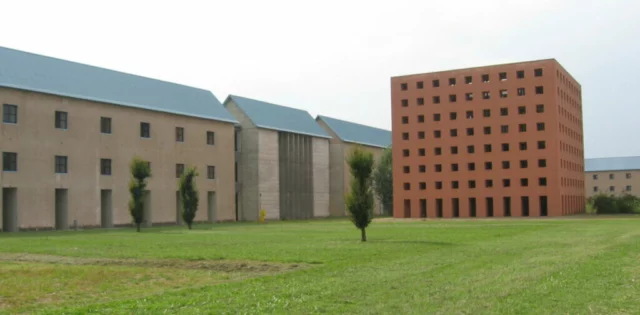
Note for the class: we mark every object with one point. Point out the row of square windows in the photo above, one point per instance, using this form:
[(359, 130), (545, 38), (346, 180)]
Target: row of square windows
[(570, 132), (10, 164), (471, 184), (573, 88), (612, 176), (471, 131), (61, 121), (612, 188), (486, 95), (502, 76), (488, 148), (504, 111), (455, 167)]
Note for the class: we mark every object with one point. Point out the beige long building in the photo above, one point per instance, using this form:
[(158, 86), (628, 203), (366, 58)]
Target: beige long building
[(613, 175), (69, 132), (345, 136), (284, 158)]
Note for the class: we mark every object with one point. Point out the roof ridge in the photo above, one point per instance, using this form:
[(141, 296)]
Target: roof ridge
[(103, 68), (354, 123)]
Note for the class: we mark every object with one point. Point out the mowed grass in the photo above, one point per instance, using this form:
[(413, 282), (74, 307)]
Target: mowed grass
[(564, 266)]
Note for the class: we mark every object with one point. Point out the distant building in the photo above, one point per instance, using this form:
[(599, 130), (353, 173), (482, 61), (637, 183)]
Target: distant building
[(284, 159), (69, 132), (345, 136), (613, 175), (503, 140)]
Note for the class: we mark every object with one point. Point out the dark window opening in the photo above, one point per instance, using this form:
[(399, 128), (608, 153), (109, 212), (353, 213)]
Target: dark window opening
[(523, 146), (211, 172), (9, 161), (452, 82), (522, 110), (542, 181), (435, 83), (544, 209), (145, 130), (438, 185), (105, 125), (540, 108), (10, 114), (179, 134), (489, 201), (488, 183), (403, 86), (455, 203), (61, 120), (524, 182), (520, 74), (525, 206), (422, 185), (405, 136), (468, 80), (405, 152), (454, 167), (422, 168), (439, 204), (504, 129), (539, 89), (420, 101), (524, 164), (105, 166), (505, 147), (407, 208), (506, 182), (487, 130), (486, 95), (542, 145), (61, 164), (472, 184), (420, 118), (471, 166), (438, 168), (437, 133), (542, 163), (522, 127), (437, 151), (471, 149), (470, 132), (452, 98), (420, 134), (504, 111), (423, 208), (540, 126), (179, 170), (453, 132), (506, 165), (472, 207), (487, 148), (502, 76), (405, 103), (506, 204), (521, 92), (485, 78), (486, 112), (488, 165), (422, 152), (454, 184), (537, 72), (504, 93), (420, 85), (436, 100), (436, 117), (454, 150)]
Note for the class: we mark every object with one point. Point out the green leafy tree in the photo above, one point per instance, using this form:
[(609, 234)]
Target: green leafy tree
[(360, 198), (139, 173), (383, 182), (189, 195)]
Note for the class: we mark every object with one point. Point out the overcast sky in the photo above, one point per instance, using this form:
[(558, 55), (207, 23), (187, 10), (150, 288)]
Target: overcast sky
[(336, 57)]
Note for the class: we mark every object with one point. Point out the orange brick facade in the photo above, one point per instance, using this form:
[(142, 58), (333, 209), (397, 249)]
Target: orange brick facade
[(493, 141)]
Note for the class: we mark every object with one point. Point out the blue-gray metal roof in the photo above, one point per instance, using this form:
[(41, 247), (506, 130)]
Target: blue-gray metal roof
[(31, 72), (626, 163), (357, 133), (278, 117)]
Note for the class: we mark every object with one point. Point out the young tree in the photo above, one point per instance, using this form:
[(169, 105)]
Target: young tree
[(139, 173), (189, 195), (360, 198), (383, 182)]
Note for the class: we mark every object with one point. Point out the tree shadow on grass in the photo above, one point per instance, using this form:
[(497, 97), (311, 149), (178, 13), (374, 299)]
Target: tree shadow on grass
[(411, 242)]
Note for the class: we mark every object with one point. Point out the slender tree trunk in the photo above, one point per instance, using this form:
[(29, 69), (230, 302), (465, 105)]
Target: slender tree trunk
[(364, 235), (189, 225), (138, 227)]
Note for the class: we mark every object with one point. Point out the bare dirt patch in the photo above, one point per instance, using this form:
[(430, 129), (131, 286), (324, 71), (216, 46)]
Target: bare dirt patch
[(211, 265)]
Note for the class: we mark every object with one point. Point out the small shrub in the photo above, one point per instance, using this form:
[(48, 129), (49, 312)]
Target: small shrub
[(189, 195), (612, 204)]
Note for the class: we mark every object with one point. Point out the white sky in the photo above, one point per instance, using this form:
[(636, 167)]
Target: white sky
[(336, 57)]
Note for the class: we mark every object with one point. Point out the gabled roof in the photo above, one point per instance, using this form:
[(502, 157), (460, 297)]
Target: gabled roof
[(276, 117), (357, 133), (626, 163), (31, 72)]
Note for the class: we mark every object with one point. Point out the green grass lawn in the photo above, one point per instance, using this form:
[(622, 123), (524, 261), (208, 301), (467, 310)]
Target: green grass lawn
[(564, 266)]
